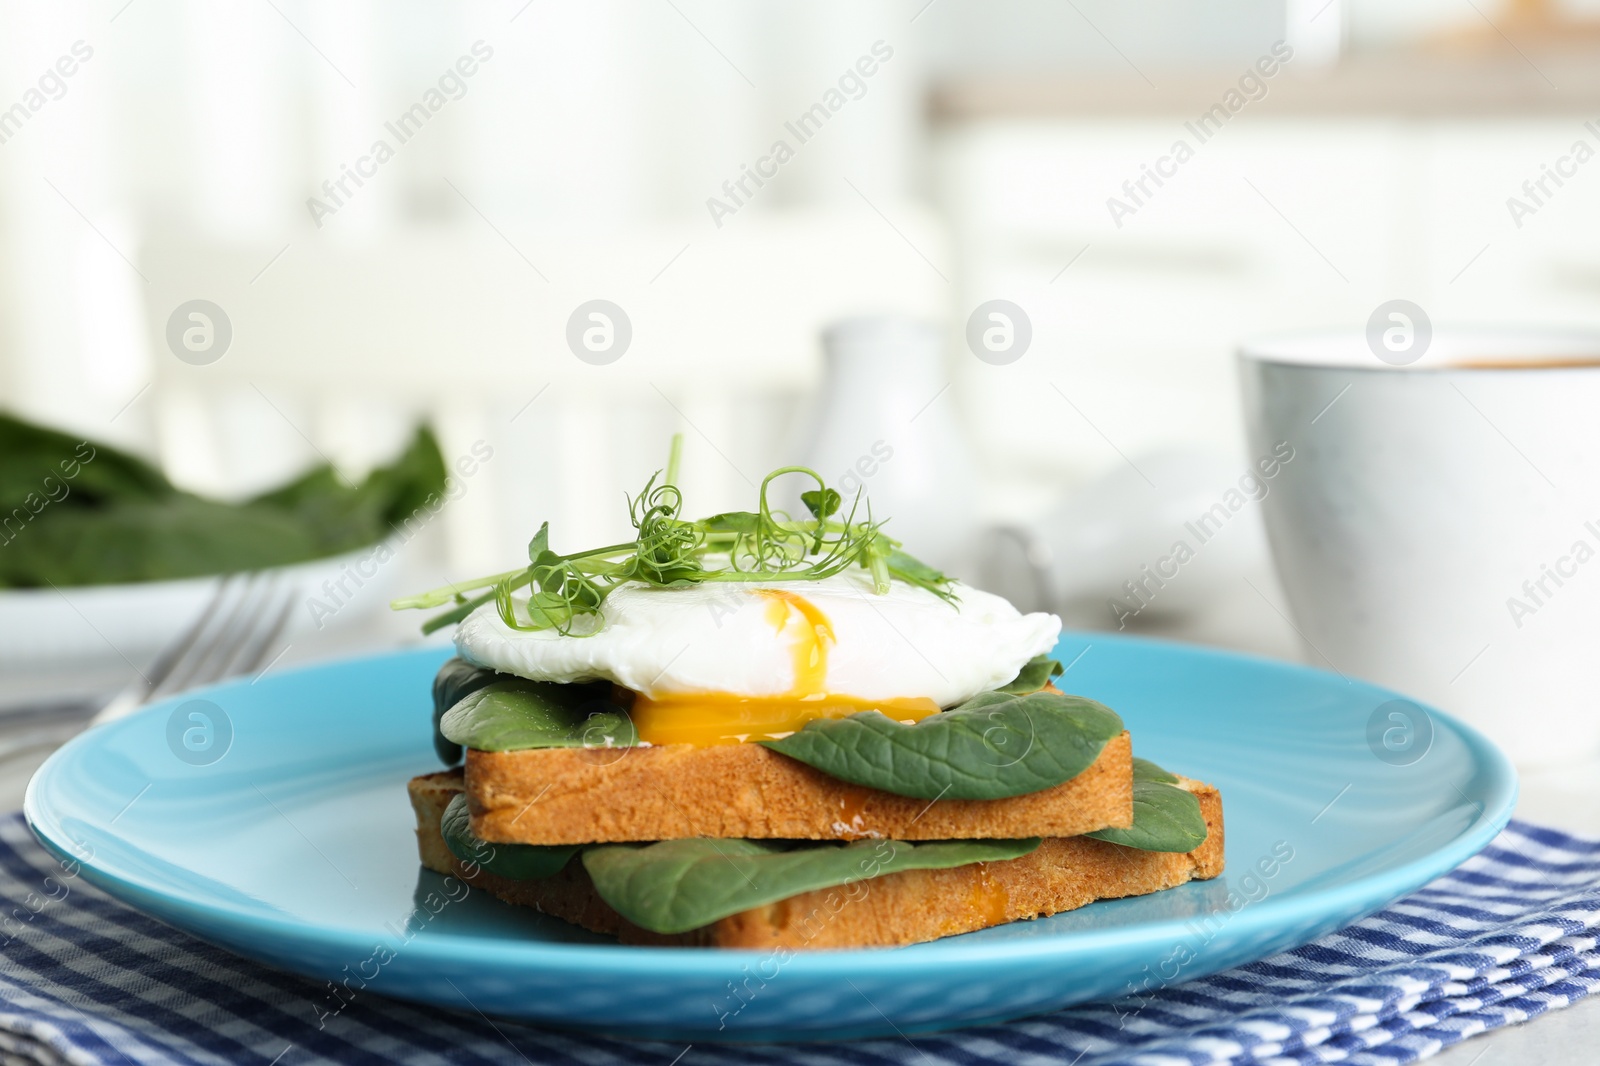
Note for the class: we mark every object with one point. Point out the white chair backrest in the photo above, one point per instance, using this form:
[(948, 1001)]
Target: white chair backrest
[(337, 348)]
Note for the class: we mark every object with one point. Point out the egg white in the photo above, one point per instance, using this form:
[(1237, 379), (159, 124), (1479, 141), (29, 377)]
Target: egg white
[(718, 637)]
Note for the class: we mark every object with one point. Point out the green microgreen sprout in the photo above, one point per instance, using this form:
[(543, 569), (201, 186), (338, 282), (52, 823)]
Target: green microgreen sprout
[(565, 592)]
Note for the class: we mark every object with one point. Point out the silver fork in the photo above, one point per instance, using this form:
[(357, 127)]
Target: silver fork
[(233, 635)]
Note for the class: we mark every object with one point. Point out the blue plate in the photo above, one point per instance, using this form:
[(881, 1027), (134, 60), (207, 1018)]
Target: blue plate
[(271, 818)]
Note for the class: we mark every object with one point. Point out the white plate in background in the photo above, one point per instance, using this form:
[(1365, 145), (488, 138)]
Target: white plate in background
[(110, 630)]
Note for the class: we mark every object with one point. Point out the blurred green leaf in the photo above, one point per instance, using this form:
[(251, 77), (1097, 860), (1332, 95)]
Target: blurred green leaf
[(40, 462), (78, 512)]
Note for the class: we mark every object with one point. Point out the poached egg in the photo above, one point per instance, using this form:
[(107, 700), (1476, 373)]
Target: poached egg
[(725, 662)]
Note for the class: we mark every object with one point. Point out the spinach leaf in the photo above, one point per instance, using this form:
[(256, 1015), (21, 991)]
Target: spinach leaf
[(1036, 673), (1166, 817), (455, 680), (149, 540), (518, 862), (514, 713), (341, 518), (993, 746), (1145, 770), (91, 473), (327, 510), (84, 513), (410, 487), (678, 885)]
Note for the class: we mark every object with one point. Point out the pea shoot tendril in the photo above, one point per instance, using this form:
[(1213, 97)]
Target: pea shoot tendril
[(565, 592)]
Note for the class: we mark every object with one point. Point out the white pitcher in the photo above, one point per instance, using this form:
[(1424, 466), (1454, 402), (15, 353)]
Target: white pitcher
[(886, 422)]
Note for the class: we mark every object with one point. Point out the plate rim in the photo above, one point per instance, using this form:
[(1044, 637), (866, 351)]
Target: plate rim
[(606, 959)]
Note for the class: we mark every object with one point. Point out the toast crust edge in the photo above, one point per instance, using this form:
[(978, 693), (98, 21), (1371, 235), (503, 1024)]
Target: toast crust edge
[(585, 795), (895, 909)]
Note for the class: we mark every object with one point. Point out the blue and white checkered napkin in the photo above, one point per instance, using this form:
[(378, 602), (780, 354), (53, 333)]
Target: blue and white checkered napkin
[(1506, 937)]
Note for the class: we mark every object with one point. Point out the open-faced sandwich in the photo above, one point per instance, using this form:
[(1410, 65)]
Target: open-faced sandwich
[(757, 731)]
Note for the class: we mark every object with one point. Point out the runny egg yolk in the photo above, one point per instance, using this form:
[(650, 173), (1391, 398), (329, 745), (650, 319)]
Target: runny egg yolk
[(708, 718)]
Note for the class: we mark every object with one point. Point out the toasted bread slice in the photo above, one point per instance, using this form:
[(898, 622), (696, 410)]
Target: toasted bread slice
[(600, 795), (894, 909)]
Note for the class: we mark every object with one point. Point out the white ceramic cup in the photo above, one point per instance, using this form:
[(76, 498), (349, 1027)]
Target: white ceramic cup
[(1439, 529)]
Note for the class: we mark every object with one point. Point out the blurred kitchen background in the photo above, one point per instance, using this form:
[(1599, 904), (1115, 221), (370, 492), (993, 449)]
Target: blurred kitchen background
[(195, 151)]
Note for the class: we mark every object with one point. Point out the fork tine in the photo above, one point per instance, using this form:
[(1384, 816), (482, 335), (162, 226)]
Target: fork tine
[(246, 622), (240, 624), (226, 640), (174, 653), (200, 665), (269, 637), (236, 654), (253, 626)]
